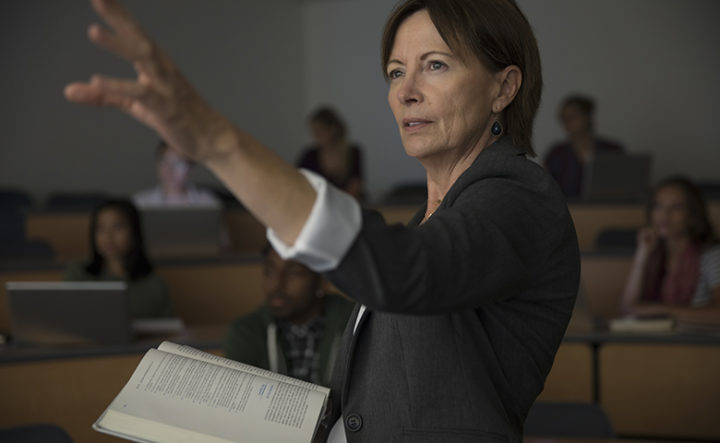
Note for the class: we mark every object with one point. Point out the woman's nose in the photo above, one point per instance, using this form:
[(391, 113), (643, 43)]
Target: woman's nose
[(409, 90)]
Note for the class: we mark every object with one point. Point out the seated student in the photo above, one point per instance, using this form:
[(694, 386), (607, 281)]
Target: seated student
[(676, 267), (174, 188), (566, 160), (297, 331), (332, 156), (118, 254)]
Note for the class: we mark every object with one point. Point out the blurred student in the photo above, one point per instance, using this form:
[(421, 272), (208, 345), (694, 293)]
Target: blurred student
[(297, 331), (566, 160), (331, 155), (118, 254), (174, 188), (676, 267)]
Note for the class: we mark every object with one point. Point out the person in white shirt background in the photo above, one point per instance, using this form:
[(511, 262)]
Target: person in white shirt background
[(174, 187)]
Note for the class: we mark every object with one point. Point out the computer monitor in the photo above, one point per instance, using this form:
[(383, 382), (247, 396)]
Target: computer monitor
[(177, 231), (69, 313), (618, 177)]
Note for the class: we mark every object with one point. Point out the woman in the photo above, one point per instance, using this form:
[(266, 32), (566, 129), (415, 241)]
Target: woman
[(676, 266), (118, 253), (460, 314), (566, 160), (332, 156)]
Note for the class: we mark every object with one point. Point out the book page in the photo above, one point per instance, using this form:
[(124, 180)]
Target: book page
[(206, 399), (197, 354)]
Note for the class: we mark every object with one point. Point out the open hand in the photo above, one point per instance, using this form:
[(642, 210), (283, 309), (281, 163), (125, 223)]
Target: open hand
[(159, 97)]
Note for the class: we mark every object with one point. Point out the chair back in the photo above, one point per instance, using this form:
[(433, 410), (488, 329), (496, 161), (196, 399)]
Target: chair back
[(580, 420), (616, 239)]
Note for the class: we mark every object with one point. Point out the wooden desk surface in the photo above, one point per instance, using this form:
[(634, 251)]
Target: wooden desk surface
[(661, 390)]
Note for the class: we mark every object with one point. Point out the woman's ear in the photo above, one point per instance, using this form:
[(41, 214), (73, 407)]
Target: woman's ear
[(509, 80)]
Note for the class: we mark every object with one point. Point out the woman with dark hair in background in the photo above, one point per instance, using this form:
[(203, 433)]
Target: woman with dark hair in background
[(676, 266), (459, 314), (566, 160), (118, 254), (332, 156)]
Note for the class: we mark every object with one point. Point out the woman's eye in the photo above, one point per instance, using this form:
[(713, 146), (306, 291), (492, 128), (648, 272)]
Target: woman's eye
[(395, 73), (435, 65)]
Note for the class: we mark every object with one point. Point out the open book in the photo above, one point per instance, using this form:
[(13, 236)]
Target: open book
[(178, 393)]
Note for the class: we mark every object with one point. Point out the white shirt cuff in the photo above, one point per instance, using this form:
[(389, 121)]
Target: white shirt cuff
[(329, 231)]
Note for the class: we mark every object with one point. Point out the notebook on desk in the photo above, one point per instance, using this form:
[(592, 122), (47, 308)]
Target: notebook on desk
[(618, 177), (68, 313), (177, 231)]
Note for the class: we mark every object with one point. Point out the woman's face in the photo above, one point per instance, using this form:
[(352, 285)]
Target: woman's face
[(442, 104), (669, 214), (112, 234)]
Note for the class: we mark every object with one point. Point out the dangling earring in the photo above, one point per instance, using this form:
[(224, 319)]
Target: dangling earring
[(496, 129)]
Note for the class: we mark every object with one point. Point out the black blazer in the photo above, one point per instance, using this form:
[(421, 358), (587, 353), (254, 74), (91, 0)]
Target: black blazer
[(464, 313)]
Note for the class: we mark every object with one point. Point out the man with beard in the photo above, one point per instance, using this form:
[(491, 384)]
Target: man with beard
[(297, 331)]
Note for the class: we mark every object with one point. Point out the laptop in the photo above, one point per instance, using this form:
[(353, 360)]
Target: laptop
[(618, 177), (173, 231), (68, 313)]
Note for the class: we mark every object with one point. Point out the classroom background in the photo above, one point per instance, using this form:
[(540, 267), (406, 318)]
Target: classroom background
[(651, 66)]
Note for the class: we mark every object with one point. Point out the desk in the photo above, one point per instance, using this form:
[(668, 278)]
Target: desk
[(591, 218), (214, 290), (66, 232), (71, 387), (571, 377), (662, 385), (662, 389), (602, 281)]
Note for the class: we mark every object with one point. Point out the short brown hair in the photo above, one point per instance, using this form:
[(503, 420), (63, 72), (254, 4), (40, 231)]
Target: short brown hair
[(498, 34)]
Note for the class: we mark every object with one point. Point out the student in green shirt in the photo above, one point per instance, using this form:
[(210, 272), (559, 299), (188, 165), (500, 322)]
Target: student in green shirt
[(118, 254), (298, 330)]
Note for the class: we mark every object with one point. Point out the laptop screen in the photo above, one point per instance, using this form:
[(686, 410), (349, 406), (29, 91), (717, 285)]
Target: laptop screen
[(182, 231), (618, 177), (68, 313)]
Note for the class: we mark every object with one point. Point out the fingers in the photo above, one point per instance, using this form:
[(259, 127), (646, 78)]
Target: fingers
[(104, 91), (128, 40), (128, 48), (117, 17), (84, 94)]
